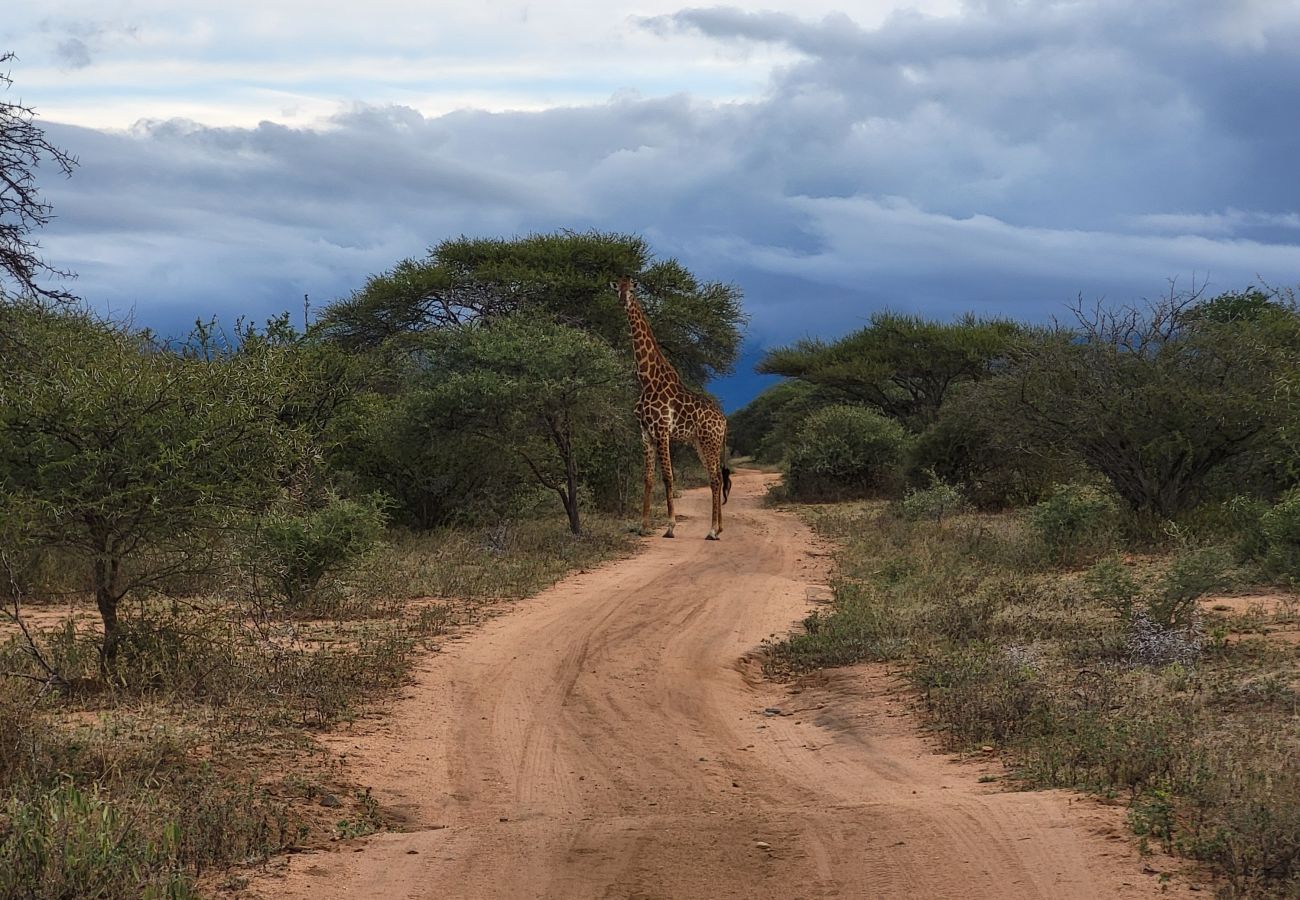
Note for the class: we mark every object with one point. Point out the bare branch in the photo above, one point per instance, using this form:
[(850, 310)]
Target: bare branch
[(52, 677), (22, 147)]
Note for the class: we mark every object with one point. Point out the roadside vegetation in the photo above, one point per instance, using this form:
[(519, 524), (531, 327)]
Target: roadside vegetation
[(1084, 555)]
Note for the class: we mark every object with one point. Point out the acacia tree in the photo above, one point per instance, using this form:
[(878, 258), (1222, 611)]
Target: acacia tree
[(1158, 399), (904, 366), (130, 457), (22, 211), (543, 392), (564, 277)]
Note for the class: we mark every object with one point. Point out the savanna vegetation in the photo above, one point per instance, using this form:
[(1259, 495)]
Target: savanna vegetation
[(214, 544), (1081, 543)]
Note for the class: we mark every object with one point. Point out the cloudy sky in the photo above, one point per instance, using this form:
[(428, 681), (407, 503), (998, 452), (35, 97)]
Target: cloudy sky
[(830, 158)]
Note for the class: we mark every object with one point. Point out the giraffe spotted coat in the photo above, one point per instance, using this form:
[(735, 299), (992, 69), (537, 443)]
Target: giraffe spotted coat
[(668, 412)]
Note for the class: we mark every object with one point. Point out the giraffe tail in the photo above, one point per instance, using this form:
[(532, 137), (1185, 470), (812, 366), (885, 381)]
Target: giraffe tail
[(722, 458)]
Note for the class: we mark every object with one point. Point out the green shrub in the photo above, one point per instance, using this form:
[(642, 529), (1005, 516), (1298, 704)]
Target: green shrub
[(845, 451), (1236, 522), (381, 443), (611, 467), (972, 442), (767, 427), (1280, 526), (1075, 523), (1191, 575), (1171, 601), (936, 502), (296, 551), (1111, 583)]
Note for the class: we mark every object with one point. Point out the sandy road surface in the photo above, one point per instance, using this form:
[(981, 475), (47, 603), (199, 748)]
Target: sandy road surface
[(605, 740)]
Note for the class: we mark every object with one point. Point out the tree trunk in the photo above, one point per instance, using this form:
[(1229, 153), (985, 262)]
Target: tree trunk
[(107, 569), (571, 494), (562, 437)]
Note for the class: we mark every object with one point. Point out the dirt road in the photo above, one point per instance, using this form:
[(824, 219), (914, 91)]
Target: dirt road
[(606, 739)]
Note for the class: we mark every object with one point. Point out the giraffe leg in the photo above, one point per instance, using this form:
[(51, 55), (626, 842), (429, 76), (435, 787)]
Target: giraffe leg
[(649, 448), (713, 465), (715, 483), (666, 465)]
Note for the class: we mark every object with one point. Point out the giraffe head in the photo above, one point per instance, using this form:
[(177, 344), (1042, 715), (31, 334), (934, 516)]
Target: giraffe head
[(641, 333)]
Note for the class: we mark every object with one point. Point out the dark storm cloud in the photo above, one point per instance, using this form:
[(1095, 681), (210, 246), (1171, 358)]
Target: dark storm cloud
[(1107, 107), (247, 220), (1004, 160)]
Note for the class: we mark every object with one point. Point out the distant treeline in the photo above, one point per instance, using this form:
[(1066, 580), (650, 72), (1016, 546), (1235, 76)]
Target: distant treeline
[(1174, 406)]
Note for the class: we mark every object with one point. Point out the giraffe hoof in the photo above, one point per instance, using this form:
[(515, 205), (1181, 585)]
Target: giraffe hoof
[(668, 533), (712, 537)]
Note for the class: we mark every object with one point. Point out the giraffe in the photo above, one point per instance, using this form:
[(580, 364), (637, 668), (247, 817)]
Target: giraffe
[(668, 411)]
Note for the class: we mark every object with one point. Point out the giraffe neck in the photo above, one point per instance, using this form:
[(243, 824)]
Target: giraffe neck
[(652, 367)]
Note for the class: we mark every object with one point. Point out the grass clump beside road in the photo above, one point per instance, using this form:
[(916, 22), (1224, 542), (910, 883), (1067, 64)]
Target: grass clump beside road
[(1086, 669)]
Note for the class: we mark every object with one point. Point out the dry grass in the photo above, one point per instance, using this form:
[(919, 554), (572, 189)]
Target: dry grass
[(503, 562), (1195, 723)]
